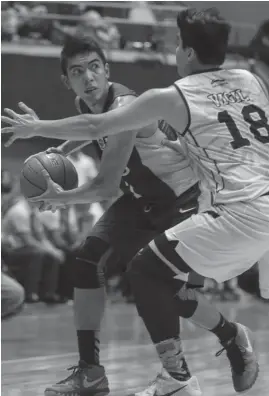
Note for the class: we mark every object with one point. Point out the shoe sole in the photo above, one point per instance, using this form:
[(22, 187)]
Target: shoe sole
[(253, 383), (102, 392)]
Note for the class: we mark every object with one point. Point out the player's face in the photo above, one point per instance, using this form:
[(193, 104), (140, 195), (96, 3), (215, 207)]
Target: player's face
[(88, 77), (182, 58)]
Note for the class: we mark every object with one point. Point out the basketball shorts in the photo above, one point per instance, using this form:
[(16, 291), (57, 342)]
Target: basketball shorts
[(222, 243), (129, 225)]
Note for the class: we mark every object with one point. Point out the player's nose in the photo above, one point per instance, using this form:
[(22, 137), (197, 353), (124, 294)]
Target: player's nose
[(88, 76)]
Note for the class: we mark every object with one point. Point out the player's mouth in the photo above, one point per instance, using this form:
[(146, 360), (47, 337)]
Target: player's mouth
[(90, 90)]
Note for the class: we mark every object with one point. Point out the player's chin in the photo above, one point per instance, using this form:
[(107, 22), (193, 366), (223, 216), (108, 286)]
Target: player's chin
[(93, 95)]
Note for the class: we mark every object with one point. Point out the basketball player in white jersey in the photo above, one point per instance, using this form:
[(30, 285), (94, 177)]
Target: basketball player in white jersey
[(221, 117)]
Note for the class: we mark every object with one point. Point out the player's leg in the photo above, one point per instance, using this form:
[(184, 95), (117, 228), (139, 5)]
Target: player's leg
[(115, 239), (151, 269), (263, 266), (154, 292)]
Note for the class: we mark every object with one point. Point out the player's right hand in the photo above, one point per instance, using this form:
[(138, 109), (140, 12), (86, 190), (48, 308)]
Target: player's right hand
[(42, 206), (55, 150), (173, 144)]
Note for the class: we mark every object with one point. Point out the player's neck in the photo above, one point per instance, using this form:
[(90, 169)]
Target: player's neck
[(98, 106), (200, 68)]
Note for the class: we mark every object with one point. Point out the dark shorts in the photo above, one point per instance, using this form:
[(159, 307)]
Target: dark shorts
[(130, 224)]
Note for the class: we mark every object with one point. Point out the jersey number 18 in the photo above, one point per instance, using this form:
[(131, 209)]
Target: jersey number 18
[(254, 126)]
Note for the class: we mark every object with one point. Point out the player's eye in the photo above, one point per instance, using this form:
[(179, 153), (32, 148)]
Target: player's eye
[(76, 72), (94, 66)]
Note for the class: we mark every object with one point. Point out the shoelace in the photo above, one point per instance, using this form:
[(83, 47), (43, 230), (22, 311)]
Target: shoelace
[(235, 355), (76, 370), (154, 382)]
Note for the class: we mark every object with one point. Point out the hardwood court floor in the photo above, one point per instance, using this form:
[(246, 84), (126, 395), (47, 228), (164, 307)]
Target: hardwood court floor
[(39, 344)]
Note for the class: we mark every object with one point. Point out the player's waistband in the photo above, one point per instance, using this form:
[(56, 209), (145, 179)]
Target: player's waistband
[(189, 195)]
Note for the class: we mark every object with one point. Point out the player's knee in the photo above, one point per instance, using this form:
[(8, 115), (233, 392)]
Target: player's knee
[(88, 270), (186, 302), (139, 265)]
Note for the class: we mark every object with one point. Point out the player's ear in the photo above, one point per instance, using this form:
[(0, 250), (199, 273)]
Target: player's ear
[(65, 81), (107, 70), (191, 53)]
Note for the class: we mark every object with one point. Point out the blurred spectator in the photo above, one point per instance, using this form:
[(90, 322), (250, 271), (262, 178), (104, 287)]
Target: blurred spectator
[(12, 296), (73, 238), (9, 24), (226, 291), (31, 257), (36, 26), (56, 231), (141, 12), (92, 24), (52, 227), (87, 214), (259, 45)]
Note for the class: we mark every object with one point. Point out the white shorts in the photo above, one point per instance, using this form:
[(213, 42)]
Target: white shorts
[(227, 244)]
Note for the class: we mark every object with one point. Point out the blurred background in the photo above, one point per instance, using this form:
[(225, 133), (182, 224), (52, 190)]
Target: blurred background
[(139, 40)]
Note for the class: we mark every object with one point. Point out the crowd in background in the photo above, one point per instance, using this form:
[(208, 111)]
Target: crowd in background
[(29, 22), (38, 248)]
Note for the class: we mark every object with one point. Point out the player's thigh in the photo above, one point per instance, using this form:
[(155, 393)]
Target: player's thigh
[(219, 245), (263, 266)]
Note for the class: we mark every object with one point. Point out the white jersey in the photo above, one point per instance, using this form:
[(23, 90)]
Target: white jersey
[(228, 136)]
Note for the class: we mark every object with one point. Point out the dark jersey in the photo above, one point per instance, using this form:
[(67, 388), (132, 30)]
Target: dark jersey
[(154, 172)]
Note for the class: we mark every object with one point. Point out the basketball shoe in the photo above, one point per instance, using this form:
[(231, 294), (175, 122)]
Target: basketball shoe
[(85, 380), (165, 385), (242, 356)]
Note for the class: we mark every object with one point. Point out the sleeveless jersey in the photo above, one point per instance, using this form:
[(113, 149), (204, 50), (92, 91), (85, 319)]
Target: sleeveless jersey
[(154, 172), (227, 139)]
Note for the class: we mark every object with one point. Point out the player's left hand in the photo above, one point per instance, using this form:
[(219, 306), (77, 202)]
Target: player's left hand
[(173, 144), (22, 125), (51, 197), (42, 206)]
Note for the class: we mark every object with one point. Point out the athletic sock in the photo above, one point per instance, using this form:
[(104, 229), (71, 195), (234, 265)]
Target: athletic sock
[(225, 330), (88, 346), (171, 355)]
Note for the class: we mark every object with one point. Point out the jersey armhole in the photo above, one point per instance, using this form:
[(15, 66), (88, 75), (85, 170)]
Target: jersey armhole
[(188, 110)]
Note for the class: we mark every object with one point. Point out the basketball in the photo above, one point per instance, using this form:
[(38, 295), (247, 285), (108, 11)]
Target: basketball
[(60, 169)]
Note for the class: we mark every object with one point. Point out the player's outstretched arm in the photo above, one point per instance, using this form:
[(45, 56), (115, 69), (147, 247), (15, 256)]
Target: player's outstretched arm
[(151, 106), (106, 184)]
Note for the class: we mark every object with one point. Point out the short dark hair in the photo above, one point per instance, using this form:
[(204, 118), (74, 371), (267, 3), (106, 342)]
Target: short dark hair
[(75, 45), (206, 32)]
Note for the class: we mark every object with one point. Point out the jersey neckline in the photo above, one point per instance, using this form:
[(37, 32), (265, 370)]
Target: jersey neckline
[(206, 71)]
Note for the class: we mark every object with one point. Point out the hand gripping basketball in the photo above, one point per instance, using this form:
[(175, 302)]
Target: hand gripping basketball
[(51, 195)]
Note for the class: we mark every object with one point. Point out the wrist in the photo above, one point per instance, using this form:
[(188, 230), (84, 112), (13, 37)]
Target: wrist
[(38, 128)]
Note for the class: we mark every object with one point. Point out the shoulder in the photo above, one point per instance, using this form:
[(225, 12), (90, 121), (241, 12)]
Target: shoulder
[(262, 85), (122, 101)]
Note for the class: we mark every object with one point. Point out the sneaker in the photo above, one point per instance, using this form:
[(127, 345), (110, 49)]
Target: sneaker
[(165, 385), (242, 356), (85, 380)]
